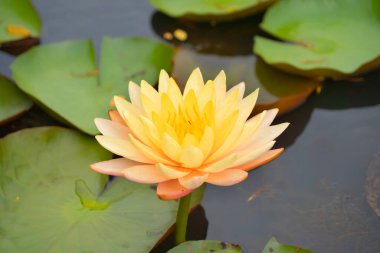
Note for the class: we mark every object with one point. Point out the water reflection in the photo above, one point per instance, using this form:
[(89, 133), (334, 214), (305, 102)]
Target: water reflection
[(232, 38)]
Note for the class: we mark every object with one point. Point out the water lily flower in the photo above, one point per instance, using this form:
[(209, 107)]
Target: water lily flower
[(183, 140)]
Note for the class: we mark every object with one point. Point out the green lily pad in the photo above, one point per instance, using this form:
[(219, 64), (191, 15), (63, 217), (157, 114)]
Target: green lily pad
[(206, 247), (330, 38), (210, 10), (50, 201), (273, 246), (277, 89), (12, 101), (64, 78), (20, 25)]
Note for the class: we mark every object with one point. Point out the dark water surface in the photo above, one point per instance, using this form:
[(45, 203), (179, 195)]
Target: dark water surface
[(323, 193)]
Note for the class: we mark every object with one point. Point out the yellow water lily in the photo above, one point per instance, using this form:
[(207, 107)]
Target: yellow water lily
[(182, 140)]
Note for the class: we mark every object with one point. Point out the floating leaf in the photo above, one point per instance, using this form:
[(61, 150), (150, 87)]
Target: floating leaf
[(12, 101), (206, 247), (50, 201), (273, 246), (218, 10), (64, 78), (20, 25), (322, 38), (277, 89)]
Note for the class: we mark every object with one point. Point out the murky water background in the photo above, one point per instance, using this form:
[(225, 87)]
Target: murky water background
[(322, 193)]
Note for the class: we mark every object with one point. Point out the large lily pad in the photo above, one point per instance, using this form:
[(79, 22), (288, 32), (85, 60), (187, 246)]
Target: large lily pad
[(210, 10), (277, 89), (206, 247), (12, 101), (322, 37), (50, 201), (20, 25), (273, 246), (64, 78)]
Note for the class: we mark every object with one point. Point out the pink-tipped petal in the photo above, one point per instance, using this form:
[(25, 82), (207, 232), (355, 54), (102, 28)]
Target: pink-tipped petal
[(115, 116), (263, 159), (111, 128), (113, 167), (146, 174), (193, 180), (171, 189), (227, 177)]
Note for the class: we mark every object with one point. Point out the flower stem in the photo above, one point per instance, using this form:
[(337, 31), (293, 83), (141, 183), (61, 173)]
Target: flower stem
[(182, 217)]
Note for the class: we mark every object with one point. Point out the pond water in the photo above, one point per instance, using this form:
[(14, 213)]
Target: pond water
[(323, 193)]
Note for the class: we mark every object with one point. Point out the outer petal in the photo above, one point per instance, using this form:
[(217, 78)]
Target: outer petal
[(113, 167), (146, 174), (263, 135), (193, 180), (171, 189), (122, 148), (249, 154), (263, 159), (112, 129), (269, 117), (227, 177)]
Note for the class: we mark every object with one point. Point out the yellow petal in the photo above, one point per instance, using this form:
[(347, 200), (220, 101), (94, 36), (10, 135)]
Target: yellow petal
[(173, 172), (163, 82), (220, 88), (125, 108), (195, 82), (264, 158), (134, 95), (122, 148), (266, 135), (151, 154), (174, 93), (150, 99), (191, 157), (222, 164), (250, 128), (206, 95), (249, 154), (189, 140), (193, 180), (240, 88), (207, 141), (246, 105), (170, 147)]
